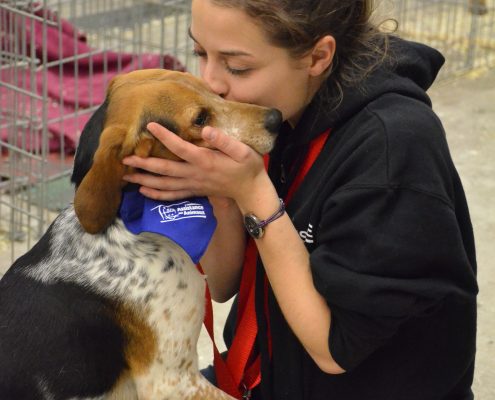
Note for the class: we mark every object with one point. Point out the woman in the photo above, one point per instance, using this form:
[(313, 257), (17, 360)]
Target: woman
[(371, 269)]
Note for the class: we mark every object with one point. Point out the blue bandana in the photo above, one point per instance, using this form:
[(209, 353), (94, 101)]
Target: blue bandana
[(189, 223)]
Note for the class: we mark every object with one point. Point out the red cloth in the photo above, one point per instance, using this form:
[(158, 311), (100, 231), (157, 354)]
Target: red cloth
[(76, 85), (241, 371)]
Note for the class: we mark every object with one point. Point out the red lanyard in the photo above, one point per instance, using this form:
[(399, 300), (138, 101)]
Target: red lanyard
[(240, 372)]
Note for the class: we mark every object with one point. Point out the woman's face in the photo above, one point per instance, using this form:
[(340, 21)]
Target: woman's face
[(237, 61)]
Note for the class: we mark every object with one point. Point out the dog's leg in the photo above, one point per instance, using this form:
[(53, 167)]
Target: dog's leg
[(190, 385), (176, 315)]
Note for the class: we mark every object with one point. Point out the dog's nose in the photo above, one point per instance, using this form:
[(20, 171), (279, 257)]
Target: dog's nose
[(273, 120)]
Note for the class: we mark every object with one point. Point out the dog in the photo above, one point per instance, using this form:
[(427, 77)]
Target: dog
[(93, 311)]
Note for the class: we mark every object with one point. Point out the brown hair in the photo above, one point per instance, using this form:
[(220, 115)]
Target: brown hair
[(297, 25)]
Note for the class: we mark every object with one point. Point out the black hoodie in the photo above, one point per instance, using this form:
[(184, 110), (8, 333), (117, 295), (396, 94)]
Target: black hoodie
[(384, 217)]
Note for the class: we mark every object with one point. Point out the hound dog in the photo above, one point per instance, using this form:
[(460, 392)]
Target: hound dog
[(93, 311)]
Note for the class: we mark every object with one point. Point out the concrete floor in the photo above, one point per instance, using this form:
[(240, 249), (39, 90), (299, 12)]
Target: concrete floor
[(466, 106)]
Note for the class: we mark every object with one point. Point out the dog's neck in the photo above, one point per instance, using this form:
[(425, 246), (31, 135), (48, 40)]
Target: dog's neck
[(189, 222)]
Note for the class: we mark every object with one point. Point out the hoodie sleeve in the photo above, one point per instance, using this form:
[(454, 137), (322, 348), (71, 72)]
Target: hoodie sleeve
[(386, 255)]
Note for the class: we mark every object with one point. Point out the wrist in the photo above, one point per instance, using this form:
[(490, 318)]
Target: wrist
[(260, 206), (260, 198), (222, 203), (256, 226)]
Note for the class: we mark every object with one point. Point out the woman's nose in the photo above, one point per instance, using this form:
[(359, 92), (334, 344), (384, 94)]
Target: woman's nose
[(214, 80)]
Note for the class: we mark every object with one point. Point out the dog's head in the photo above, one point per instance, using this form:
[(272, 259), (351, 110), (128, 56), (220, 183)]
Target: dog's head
[(176, 100)]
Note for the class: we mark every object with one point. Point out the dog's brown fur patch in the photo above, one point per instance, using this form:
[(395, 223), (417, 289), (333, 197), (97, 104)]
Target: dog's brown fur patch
[(141, 341)]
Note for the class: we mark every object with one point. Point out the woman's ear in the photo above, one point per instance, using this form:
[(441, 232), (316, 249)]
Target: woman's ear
[(322, 55)]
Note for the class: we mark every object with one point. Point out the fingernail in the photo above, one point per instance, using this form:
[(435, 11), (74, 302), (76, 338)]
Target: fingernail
[(209, 133)]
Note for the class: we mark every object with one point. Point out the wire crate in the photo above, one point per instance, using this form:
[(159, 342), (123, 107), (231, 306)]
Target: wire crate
[(56, 58), (463, 30)]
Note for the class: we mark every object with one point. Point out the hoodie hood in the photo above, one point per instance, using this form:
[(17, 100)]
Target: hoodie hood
[(410, 70)]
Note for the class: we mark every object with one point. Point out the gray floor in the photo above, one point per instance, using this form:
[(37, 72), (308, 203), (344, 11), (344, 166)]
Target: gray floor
[(467, 109)]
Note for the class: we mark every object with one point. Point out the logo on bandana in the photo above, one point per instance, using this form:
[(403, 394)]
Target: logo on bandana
[(178, 211)]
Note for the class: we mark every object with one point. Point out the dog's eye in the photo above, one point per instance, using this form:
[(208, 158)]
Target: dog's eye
[(201, 118)]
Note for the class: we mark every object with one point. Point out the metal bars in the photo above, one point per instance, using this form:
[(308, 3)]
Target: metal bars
[(56, 58), (463, 30)]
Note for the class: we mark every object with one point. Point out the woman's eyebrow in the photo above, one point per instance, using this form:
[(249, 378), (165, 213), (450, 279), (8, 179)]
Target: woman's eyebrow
[(229, 53)]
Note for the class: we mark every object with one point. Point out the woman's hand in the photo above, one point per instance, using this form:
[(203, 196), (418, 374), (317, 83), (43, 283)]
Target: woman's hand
[(229, 169), (227, 173)]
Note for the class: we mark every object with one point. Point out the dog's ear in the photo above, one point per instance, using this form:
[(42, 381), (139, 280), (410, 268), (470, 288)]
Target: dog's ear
[(90, 137), (88, 143), (98, 196)]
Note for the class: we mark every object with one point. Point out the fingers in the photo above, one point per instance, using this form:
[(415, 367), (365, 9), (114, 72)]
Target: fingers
[(158, 166), (154, 181), (189, 152), (173, 142), (161, 187), (203, 171), (165, 195), (231, 147)]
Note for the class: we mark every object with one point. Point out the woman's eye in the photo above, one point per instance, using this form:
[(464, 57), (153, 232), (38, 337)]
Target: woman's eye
[(237, 71), (201, 118), (233, 71)]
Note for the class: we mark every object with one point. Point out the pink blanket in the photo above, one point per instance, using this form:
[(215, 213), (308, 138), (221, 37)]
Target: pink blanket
[(70, 89)]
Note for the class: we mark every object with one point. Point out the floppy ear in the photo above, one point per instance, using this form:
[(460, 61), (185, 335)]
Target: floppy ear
[(90, 137), (88, 143), (98, 197)]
